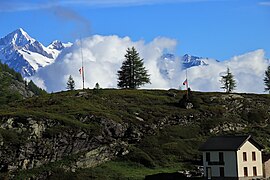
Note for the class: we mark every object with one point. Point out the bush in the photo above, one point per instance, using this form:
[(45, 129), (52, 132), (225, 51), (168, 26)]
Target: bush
[(190, 98), (138, 156), (10, 137), (255, 116)]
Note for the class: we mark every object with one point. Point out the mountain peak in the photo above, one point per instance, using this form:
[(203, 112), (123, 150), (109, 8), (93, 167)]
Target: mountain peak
[(190, 61), (25, 54), (189, 58), (21, 31), (18, 37), (168, 56), (58, 45), (186, 55)]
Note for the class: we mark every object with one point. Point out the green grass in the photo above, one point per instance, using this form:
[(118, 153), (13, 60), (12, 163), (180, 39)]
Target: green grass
[(132, 170), (115, 170), (118, 105)]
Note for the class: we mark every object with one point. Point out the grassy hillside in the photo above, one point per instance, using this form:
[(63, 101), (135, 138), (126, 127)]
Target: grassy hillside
[(170, 135), (13, 87)]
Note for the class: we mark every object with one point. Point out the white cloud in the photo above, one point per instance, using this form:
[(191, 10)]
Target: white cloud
[(248, 70), (103, 56), (264, 3), (13, 6), (16, 5), (39, 82), (117, 3)]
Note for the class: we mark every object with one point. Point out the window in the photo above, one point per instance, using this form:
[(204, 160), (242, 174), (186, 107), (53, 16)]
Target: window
[(253, 156), (245, 171), (254, 171), (221, 157), (244, 156), (208, 157), (221, 171), (208, 173)]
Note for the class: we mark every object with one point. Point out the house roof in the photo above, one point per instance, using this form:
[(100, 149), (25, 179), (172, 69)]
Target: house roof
[(228, 143), (265, 157)]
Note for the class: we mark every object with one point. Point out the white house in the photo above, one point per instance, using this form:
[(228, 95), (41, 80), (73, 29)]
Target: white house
[(232, 157)]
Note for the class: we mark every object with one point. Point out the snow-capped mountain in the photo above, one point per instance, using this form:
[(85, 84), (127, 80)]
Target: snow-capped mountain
[(25, 54), (189, 61), (169, 64), (58, 45)]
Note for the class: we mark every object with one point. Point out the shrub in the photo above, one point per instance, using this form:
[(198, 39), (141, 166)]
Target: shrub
[(10, 137), (254, 116), (138, 156)]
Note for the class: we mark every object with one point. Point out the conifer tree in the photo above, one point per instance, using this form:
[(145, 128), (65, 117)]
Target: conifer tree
[(34, 88), (267, 80), (132, 74), (70, 83), (97, 86), (228, 82)]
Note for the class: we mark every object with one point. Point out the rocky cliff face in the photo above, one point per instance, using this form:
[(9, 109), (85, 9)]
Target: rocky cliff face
[(30, 142)]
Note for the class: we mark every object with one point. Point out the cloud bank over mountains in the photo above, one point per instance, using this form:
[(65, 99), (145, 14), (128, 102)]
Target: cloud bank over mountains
[(248, 70), (103, 57)]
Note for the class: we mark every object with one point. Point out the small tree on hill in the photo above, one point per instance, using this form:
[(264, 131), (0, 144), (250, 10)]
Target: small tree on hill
[(267, 80), (34, 88), (70, 83), (228, 82), (97, 86), (132, 74)]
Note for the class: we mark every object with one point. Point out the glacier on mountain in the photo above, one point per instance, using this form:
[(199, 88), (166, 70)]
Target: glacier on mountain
[(169, 65), (25, 54)]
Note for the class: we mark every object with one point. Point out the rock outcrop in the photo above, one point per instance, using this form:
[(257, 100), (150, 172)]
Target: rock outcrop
[(31, 142)]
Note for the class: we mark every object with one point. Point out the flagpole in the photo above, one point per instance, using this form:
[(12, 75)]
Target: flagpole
[(82, 63), (187, 83)]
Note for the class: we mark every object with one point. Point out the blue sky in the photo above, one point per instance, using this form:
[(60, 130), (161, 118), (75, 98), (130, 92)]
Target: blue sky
[(217, 29)]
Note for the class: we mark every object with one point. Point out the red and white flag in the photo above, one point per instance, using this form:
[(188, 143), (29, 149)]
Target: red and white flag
[(81, 70), (185, 82)]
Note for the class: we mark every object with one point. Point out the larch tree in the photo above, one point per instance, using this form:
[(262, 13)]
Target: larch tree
[(132, 73), (70, 83), (228, 82), (267, 80)]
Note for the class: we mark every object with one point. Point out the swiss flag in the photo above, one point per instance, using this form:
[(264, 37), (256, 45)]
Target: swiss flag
[(185, 82), (81, 70)]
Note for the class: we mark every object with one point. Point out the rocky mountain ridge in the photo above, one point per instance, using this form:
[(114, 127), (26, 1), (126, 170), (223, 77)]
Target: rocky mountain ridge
[(169, 65), (25, 54)]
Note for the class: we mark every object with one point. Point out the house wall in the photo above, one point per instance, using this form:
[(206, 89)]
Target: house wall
[(230, 167), (249, 148)]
